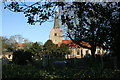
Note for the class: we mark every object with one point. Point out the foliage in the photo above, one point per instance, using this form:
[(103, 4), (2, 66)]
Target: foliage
[(49, 47), (85, 21), (54, 50), (17, 39), (11, 44), (22, 57), (94, 23), (4, 60), (36, 12), (6, 45), (12, 71), (64, 49), (116, 41), (36, 49), (27, 45), (88, 22)]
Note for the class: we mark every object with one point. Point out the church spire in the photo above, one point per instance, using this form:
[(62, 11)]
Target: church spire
[(56, 21)]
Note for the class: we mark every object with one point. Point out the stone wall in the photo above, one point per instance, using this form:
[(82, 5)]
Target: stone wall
[(56, 35)]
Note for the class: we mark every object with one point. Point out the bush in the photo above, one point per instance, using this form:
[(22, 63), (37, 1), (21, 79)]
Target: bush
[(25, 72), (22, 57), (4, 60), (30, 72)]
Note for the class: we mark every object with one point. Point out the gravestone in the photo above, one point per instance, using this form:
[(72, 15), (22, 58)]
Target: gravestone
[(44, 61)]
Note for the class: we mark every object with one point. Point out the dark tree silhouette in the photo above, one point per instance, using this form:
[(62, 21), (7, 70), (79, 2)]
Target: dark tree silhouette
[(35, 12), (36, 49), (22, 57), (64, 50), (85, 21), (49, 48), (90, 22), (94, 23)]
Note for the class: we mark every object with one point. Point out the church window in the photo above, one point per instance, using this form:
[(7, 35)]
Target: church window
[(55, 34), (81, 53), (98, 52), (87, 52), (9, 56), (78, 53)]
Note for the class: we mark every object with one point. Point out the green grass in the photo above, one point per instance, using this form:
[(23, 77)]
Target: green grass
[(10, 59)]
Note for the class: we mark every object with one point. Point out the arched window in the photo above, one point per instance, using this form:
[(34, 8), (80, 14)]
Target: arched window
[(78, 53), (87, 52)]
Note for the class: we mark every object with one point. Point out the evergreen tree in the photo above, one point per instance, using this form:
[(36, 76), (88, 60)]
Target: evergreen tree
[(36, 50)]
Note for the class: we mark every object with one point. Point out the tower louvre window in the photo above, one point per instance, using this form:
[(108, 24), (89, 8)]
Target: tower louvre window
[(55, 34)]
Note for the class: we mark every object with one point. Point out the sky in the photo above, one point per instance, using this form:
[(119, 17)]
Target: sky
[(16, 24)]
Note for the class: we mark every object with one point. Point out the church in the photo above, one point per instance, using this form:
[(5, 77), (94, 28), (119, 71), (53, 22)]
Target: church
[(76, 50)]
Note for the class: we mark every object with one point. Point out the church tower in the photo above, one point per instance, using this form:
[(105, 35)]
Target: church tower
[(56, 31)]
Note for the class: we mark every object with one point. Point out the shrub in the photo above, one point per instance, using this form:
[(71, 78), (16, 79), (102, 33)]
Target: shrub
[(22, 57), (4, 60)]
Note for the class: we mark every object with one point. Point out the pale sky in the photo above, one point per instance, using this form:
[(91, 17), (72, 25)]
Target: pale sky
[(16, 24)]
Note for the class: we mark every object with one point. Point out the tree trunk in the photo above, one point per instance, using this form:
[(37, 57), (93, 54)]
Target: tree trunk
[(93, 49), (118, 61)]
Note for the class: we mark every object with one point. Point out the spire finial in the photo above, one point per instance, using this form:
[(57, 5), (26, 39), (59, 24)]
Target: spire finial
[(56, 21)]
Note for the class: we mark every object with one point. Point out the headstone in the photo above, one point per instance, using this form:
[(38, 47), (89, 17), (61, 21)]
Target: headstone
[(44, 61), (60, 64)]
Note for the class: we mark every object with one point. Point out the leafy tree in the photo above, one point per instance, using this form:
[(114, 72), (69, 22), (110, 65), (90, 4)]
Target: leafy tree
[(53, 50), (90, 22), (35, 12), (36, 49), (11, 44), (85, 21), (17, 39), (27, 45), (4, 44), (116, 42), (7, 46), (14, 41), (64, 50), (49, 48)]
